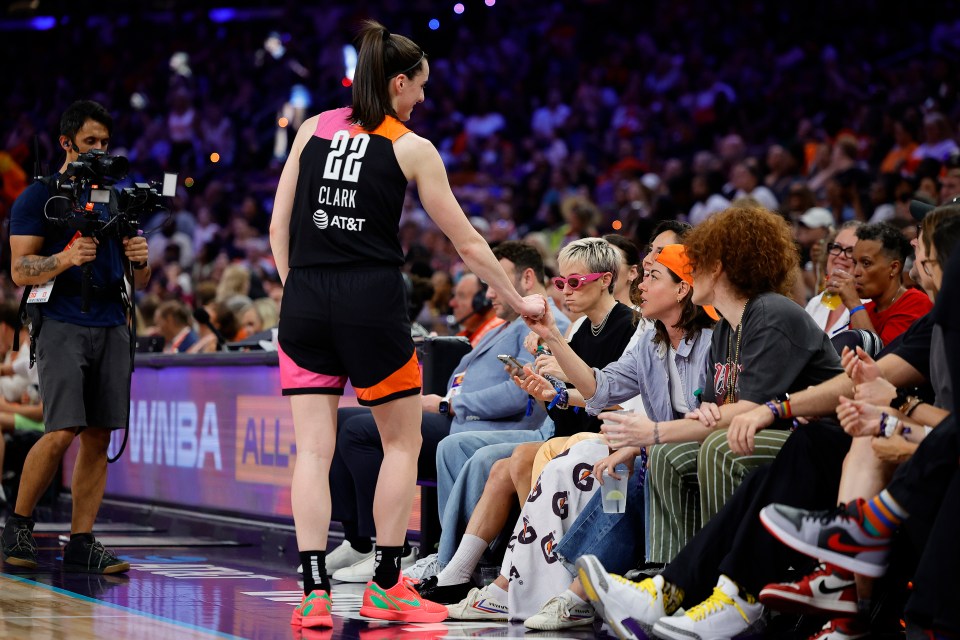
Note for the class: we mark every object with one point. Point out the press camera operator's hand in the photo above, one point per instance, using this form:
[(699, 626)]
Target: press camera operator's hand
[(81, 251), (136, 249)]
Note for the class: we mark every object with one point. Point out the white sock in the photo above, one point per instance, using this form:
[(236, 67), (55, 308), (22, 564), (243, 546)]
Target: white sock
[(572, 597), (464, 561), (497, 593)]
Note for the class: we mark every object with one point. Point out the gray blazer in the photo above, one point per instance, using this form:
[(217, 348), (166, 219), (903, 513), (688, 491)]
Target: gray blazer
[(488, 400)]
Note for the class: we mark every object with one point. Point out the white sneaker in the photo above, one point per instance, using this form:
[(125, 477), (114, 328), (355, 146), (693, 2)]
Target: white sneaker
[(630, 608), (479, 605), (343, 556), (362, 570), (560, 612), (424, 568), (725, 614)]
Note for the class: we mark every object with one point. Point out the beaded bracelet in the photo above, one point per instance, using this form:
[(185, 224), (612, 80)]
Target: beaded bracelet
[(780, 409)]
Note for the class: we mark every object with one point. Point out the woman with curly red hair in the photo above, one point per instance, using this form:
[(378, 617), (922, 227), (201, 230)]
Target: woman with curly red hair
[(766, 346)]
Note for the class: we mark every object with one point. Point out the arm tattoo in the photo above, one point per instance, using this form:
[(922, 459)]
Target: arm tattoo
[(37, 265)]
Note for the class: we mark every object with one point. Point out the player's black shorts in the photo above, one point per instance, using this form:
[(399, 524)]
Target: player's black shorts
[(337, 324)]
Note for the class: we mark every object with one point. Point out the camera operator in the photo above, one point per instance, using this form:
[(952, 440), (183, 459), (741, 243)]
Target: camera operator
[(83, 358)]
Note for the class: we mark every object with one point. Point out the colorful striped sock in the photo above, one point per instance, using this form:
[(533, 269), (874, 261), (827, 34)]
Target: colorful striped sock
[(882, 515)]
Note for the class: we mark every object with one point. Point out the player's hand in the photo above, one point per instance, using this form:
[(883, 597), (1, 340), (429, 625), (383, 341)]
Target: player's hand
[(533, 307)]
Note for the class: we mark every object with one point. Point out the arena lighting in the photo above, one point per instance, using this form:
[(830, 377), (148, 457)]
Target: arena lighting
[(349, 62), (223, 14), (347, 82), (489, 3), (458, 8), (617, 225), (43, 23), (214, 157), (282, 123), (188, 182), (434, 24)]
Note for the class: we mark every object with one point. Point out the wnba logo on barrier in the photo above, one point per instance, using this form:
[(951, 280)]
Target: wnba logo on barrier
[(320, 219)]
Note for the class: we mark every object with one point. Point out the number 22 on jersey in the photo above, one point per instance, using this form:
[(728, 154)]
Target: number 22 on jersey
[(346, 169)]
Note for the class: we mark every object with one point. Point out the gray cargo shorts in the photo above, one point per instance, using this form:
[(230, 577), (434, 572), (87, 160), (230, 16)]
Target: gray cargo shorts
[(84, 375)]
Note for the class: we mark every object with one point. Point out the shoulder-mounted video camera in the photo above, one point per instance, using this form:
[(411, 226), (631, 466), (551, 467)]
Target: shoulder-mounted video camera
[(89, 181)]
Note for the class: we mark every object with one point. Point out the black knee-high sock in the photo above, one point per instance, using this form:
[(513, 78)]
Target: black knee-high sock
[(314, 571), (386, 572), (351, 533)]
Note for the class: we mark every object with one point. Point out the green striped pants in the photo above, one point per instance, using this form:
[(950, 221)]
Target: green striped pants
[(688, 482)]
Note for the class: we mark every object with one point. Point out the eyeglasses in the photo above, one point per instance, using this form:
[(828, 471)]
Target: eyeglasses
[(837, 250), (926, 269), (576, 280)]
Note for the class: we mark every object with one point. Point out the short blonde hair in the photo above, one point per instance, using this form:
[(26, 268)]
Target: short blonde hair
[(597, 254)]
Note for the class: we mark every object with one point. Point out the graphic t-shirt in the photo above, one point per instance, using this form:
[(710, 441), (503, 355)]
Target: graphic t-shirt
[(781, 350)]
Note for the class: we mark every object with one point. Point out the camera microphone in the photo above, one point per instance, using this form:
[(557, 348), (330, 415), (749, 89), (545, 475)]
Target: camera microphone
[(203, 317)]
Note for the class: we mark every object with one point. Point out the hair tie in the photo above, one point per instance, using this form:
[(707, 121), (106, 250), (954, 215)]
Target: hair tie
[(386, 35)]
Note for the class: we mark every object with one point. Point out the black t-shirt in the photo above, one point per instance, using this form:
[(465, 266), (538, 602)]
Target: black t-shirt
[(782, 350), (597, 351), (914, 346)]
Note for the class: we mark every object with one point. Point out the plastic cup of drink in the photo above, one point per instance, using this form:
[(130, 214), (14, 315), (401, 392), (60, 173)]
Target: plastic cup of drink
[(830, 300), (614, 492)]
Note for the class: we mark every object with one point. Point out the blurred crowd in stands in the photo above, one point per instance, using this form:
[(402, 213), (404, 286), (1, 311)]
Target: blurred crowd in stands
[(556, 120)]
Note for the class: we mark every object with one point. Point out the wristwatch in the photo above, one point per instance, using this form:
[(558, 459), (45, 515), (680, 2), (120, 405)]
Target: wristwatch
[(444, 407), (905, 404)]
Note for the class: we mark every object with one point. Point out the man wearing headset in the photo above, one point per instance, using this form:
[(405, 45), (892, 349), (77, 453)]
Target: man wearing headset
[(83, 357), (472, 311)]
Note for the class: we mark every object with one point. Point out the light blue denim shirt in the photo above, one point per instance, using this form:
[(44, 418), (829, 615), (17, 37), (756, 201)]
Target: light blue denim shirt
[(644, 370)]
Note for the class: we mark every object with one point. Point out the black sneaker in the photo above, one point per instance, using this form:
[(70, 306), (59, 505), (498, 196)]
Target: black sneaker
[(86, 555), (17, 544), (449, 594)]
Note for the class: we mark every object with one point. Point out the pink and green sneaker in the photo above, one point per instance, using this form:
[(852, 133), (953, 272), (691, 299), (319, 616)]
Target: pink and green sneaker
[(313, 611)]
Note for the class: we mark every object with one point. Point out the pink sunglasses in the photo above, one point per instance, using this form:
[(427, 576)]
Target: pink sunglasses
[(576, 280)]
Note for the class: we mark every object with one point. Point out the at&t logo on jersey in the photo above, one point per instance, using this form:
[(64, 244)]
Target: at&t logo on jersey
[(322, 220)]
